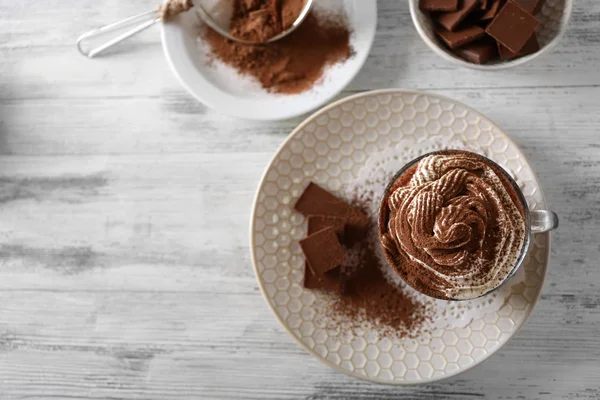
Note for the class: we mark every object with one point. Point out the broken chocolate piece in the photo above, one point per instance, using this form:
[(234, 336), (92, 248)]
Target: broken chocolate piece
[(513, 27), (492, 11), (438, 5), (460, 37), (451, 20), (480, 52), (323, 251), (531, 6), (530, 47), (317, 201), (317, 223), (483, 4), (330, 281)]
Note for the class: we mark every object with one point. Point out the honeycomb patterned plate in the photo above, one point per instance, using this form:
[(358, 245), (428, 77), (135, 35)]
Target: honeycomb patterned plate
[(330, 148)]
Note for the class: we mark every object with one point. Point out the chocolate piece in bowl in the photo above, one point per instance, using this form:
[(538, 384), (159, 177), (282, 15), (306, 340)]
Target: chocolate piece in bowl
[(530, 47), (323, 251), (461, 37), (531, 6), (438, 5), (451, 20), (492, 10), (480, 52), (513, 27)]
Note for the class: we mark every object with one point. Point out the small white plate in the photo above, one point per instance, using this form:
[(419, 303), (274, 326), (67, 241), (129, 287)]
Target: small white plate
[(330, 148), (223, 89)]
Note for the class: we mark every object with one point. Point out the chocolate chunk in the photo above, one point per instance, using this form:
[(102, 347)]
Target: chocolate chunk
[(492, 11), (438, 5), (323, 251), (483, 4), (531, 6), (513, 27), (480, 52), (317, 201), (330, 281), (461, 37), (451, 20), (530, 47), (317, 223)]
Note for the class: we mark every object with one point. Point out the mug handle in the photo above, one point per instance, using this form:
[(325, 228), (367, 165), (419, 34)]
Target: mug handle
[(543, 220)]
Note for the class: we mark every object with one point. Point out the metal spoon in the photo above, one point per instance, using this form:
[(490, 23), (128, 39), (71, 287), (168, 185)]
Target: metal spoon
[(218, 19)]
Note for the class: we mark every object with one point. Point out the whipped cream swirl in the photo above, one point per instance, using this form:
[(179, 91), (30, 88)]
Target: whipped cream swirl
[(454, 230)]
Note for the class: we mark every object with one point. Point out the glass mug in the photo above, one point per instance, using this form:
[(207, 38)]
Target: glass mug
[(536, 221)]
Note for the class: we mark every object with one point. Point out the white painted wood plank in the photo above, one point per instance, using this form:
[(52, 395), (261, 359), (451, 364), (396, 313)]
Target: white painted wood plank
[(38, 64), (124, 263), (170, 124), (227, 345)]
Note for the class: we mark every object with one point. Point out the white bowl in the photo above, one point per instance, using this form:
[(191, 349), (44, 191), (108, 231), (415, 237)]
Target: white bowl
[(555, 16), (222, 88)]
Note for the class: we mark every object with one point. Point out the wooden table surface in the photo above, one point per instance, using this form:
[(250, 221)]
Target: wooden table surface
[(125, 271)]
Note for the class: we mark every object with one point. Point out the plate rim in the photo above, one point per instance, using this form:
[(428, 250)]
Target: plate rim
[(268, 168), (182, 67)]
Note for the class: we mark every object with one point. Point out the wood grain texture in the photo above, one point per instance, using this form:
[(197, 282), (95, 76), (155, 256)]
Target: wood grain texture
[(125, 271)]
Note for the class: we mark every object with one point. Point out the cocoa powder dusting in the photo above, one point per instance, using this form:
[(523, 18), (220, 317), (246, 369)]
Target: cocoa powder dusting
[(366, 295), (289, 65)]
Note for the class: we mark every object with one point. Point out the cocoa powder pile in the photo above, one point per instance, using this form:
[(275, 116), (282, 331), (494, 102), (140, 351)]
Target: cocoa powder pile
[(290, 65), (366, 294), (260, 20)]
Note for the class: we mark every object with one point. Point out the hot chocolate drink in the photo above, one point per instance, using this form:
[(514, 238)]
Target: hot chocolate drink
[(452, 225)]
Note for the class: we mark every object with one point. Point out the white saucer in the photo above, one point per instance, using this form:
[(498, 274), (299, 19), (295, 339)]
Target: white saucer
[(223, 89), (330, 148)]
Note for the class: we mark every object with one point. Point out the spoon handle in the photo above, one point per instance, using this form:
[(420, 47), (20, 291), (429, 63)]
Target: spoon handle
[(145, 21)]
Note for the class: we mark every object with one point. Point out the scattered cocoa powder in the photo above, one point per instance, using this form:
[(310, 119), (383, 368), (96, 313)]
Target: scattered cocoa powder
[(362, 292), (292, 64), (368, 295)]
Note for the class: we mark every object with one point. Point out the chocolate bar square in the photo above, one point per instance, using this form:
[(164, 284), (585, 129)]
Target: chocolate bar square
[(531, 6), (492, 11), (320, 222), (480, 52), (460, 37), (323, 251), (451, 20), (530, 47), (317, 201), (513, 27), (330, 281), (438, 5)]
